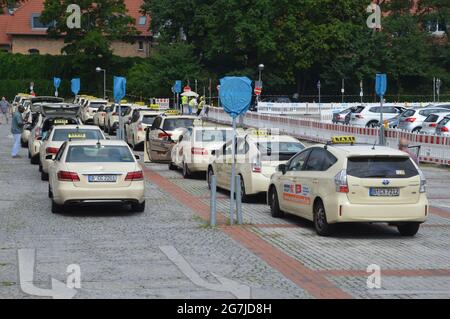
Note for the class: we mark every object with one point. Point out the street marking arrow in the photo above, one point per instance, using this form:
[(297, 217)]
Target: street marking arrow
[(26, 258), (226, 285)]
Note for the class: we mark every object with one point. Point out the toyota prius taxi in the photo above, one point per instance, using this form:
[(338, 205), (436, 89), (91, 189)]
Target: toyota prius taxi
[(60, 134), (347, 182), (102, 171)]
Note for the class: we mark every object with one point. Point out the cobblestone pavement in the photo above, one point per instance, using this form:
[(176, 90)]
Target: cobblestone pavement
[(119, 254)]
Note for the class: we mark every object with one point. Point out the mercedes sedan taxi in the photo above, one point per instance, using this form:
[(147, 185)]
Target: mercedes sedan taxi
[(348, 182), (90, 171), (51, 144)]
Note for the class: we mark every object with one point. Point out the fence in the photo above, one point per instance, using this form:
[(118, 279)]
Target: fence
[(434, 149)]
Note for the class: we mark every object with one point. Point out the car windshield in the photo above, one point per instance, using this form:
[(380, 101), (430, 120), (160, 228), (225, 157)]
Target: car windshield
[(102, 154), (148, 119), (172, 124), (212, 136), (381, 167), (64, 134)]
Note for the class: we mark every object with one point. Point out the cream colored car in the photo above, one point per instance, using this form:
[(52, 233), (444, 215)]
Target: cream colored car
[(137, 125), (163, 134), (192, 152), (59, 134), (92, 171), (112, 117), (99, 118), (257, 158), (90, 108), (351, 183)]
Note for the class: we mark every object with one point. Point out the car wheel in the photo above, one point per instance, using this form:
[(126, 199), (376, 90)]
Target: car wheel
[(29, 155), (40, 168), (209, 177), (50, 193), (408, 229), (56, 208), (34, 160), (320, 220), (23, 144), (172, 167), (44, 176), (186, 172), (275, 210), (138, 208), (244, 196), (372, 124), (416, 130)]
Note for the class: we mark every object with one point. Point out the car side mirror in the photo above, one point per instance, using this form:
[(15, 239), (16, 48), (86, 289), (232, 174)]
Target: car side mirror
[(180, 138), (49, 157), (282, 168), (137, 157)]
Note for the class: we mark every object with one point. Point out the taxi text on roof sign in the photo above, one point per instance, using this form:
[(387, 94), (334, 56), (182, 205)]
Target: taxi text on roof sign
[(76, 135), (260, 132), (172, 112), (343, 139), (60, 121)]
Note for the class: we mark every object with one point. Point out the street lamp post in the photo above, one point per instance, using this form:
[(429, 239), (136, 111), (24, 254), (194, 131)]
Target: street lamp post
[(260, 69), (99, 69), (438, 89), (320, 103)]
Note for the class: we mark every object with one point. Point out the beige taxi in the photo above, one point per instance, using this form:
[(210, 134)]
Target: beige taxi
[(192, 152), (163, 134), (90, 108), (137, 125), (346, 182), (59, 134), (258, 154), (90, 171), (112, 116), (99, 117)]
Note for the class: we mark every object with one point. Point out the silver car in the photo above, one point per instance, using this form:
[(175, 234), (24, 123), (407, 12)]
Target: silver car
[(431, 122), (443, 127), (412, 119)]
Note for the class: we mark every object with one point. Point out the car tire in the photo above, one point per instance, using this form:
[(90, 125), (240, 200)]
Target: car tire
[(416, 130), (275, 210), (372, 124), (244, 196), (408, 229), (50, 193), (105, 129), (320, 220), (56, 208), (44, 176), (186, 172), (29, 155), (172, 167), (34, 160), (23, 144), (138, 207), (40, 168)]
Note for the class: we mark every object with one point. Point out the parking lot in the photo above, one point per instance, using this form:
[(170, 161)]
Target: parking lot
[(121, 254)]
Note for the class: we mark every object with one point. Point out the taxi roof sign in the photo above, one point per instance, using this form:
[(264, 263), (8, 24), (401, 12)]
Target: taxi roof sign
[(259, 132), (76, 135), (343, 140), (172, 112)]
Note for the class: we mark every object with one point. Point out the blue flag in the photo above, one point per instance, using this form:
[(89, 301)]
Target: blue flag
[(120, 84), (56, 82), (380, 84), (235, 95), (75, 85)]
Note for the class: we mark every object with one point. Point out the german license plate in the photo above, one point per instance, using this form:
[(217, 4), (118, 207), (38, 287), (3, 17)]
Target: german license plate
[(102, 178), (385, 192)]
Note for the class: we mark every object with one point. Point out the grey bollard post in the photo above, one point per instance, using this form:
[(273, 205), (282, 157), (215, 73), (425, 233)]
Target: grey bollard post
[(239, 200), (213, 201)]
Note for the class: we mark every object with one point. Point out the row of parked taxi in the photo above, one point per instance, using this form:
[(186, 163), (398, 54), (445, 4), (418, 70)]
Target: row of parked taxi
[(431, 119), (341, 181)]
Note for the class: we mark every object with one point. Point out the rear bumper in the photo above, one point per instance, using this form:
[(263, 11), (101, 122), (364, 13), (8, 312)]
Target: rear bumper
[(198, 167), (343, 211), (67, 193), (259, 183)]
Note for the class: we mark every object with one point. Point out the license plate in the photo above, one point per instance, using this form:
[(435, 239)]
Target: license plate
[(385, 192), (102, 178)]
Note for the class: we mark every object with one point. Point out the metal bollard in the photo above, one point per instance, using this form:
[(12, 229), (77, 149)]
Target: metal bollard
[(213, 202), (238, 200)]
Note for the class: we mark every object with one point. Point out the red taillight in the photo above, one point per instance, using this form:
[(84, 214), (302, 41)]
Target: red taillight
[(52, 150), (256, 168), (444, 129), (198, 151), (135, 176), (139, 126), (338, 117), (65, 176), (343, 189), (341, 182), (410, 119), (433, 125), (163, 135)]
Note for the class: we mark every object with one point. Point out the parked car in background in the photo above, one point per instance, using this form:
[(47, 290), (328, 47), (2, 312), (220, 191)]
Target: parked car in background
[(431, 122), (340, 116), (443, 127), (100, 115), (369, 116), (412, 119), (90, 108)]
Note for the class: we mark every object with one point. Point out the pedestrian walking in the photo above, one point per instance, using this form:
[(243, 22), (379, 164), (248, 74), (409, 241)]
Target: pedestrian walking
[(16, 130), (5, 108), (403, 146)]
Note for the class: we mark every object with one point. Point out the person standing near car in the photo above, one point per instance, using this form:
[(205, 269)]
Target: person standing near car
[(5, 108), (16, 130), (403, 146)]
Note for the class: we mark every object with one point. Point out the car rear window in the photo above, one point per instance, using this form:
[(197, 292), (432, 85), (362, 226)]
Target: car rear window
[(432, 118), (211, 136), (444, 121), (96, 105), (148, 119), (102, 154), (408, 113), (65, 134), (172, 124), (359, 109), (381, 167)]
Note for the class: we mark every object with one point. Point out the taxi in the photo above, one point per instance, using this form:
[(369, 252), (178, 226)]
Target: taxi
[(59, 134), (90, 108), (193, 150), (112, 116), (161, 136), (90, 171), (140, 120), (100, 115), (19, 99), (258, 154), (347, 182)]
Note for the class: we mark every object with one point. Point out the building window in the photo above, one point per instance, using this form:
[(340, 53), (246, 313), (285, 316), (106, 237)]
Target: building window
[(142, 20), (33, 51), (37, 24), (141, 46)]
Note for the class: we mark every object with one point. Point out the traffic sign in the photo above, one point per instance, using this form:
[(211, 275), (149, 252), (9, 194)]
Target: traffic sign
[(258, 91), (380, 84), (187, 88)]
